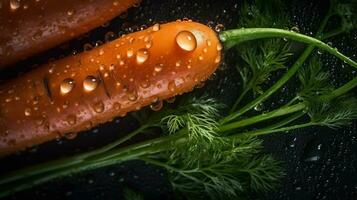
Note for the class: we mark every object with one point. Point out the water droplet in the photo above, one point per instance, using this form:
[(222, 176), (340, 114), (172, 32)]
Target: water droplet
[(295, 29), (186, 41), (27, 112), (40, 121), (200, 57), (145, 83), (142, 55), (109, 36), (156, 27), (156, 105), (90, 83), (217, 59), (71, 119), (70, 12), (258, 107), (70, 136), (67, 85), (115, 3), (65, 104), (117, 106), (148, 41), (219, 47), (209, 43), (87, 47), (178, 63), (14, 4), (219, 27), (101, 52), (133, 96), (98, 107), (171, 86), (130, 53), (158, 67)]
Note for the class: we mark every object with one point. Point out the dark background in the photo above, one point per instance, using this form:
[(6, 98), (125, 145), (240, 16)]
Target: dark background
[(320, 163)]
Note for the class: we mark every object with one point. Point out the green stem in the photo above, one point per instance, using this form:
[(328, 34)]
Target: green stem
[(241, 96), (124, 154), (87, 165), (265, 116), (272, 89), (341, 90), (65, 162), (234, 37), (266, 131), (286, 121)]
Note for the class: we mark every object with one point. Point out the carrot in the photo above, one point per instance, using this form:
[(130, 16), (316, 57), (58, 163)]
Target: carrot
[(81, 91), (29, 27)]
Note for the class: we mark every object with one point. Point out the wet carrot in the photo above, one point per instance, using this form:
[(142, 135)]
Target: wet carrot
[(29, 27), (82, 91)]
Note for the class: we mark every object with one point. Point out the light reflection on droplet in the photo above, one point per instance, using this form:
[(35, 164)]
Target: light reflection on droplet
[(67, 85), (90, 83), (186, 41)]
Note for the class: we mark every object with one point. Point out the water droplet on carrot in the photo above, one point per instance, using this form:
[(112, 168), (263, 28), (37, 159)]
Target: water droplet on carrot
[(133, 96), (171, 86), (115, 3), (219, 47), (156, 27), (130, 53), (142, 55), (145, 84), (217, 59), (101, 52), (40, 121), (178, 63), (90, 83), (15, 4), (71, 119), (70, 12), (67, 85), (158, 67), (98, 107), (209, 43), (156, 105), (186, 41), (27, 112), (117, 106), (65, 104), (70, 136)]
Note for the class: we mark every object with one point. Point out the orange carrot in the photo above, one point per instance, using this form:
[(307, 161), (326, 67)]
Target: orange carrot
[(84, 90), (29, 27)]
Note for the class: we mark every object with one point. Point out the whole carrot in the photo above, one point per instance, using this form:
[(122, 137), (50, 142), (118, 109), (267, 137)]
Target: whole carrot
[(31, 26), (81, 91)]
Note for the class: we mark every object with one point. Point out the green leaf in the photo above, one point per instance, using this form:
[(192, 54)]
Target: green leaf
[(334, 114), (314, 80)]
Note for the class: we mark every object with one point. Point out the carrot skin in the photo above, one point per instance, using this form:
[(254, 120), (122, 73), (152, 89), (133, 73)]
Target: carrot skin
[(81, 91), (29, 27)]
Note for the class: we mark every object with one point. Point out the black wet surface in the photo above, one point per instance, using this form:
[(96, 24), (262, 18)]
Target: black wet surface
[(320, 163)]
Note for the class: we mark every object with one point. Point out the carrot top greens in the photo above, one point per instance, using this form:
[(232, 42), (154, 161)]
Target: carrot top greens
[(209, 152)]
